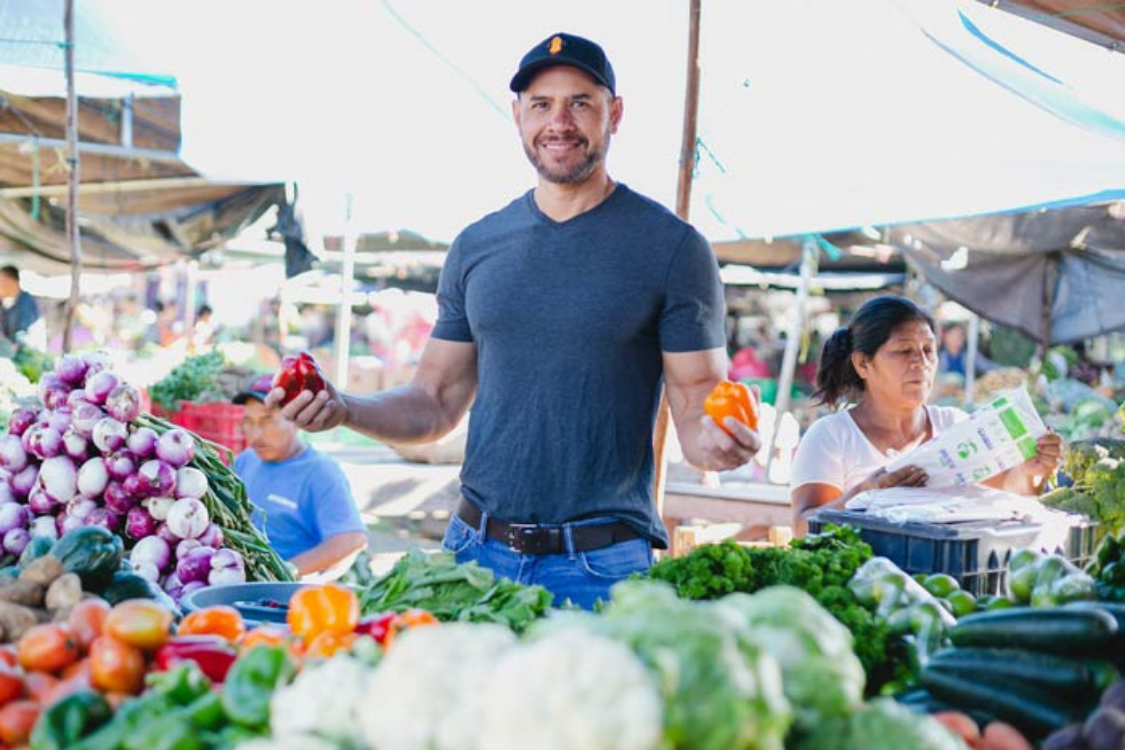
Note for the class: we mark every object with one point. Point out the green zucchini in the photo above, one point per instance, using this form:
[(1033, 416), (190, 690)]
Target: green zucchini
[(93, 552), (1076, 679), (1056, 630), (1033, 712)]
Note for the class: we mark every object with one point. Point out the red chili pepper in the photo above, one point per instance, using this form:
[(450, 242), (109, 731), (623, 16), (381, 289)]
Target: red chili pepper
[(298, 373), (213, 654), (377, 626)]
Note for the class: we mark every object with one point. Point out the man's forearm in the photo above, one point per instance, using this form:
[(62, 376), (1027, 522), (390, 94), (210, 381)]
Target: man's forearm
[(405, 414)]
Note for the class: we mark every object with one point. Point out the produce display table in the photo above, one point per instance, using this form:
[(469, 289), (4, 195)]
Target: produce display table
[(750, 504)]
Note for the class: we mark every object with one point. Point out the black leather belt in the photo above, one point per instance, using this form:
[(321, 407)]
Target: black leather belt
[(536, 539)]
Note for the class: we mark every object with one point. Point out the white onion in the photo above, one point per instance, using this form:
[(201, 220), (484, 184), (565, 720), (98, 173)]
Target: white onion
[(188, 517), (190, 482), (93, 478), (59, 479)]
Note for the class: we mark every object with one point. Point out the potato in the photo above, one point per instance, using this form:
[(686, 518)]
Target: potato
[(42, 570), (65, 592), (15, 620), (27, 593)]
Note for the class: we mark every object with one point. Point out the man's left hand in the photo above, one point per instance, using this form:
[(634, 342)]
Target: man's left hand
[(728, 448)]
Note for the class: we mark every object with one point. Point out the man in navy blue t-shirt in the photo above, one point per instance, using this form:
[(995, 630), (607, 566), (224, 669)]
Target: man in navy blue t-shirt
[(301, 498), (560, 317)]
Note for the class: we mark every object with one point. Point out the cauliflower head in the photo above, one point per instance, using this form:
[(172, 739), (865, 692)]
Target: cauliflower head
[(324, 700), (427, 693), (571, 690)]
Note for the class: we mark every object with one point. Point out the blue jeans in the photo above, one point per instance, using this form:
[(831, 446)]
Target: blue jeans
[(580, 577)]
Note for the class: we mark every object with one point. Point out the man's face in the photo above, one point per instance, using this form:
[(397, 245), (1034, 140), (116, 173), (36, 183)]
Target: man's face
[(566, 121), (272, 436), (8, 286)]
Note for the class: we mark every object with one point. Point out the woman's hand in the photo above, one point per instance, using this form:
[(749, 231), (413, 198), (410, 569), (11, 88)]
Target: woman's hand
[(907, 476), (1047, 458)]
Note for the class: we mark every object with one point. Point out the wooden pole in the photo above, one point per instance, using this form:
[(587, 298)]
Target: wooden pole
[(72, 180), (683, 210)]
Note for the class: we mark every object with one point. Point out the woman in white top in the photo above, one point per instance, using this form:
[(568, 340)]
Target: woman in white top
[(884, 362)]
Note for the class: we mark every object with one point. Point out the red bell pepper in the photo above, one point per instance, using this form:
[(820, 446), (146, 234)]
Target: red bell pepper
[(298, 373), (213, 654), (377, 626)]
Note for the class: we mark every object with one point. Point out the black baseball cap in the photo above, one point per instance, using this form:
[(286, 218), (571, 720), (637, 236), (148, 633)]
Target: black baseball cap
[(258, 391), (565, 49)]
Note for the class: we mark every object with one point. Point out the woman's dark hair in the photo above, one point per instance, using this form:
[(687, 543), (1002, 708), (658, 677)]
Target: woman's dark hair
[(870, 327)]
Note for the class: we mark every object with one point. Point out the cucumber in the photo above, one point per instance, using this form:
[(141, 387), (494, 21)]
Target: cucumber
[(1032, 711), (1076, 679), (93, 552), (1056, 630)]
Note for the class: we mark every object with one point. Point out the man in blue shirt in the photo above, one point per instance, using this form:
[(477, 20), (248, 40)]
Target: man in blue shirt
[(301, 497), (561, 316)]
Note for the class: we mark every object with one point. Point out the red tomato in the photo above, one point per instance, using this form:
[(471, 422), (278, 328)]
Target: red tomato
[(141, 623), (39, 685), (16, 721), (87, 619), (49, 647), (11, 684), (1000, 736), (116, 666)]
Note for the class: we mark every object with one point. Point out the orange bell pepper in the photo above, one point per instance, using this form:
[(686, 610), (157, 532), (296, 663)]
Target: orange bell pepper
[(323, 609), (221, 620), (729, 399)]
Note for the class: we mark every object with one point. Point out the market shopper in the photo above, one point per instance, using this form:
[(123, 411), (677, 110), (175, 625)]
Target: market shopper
[(20, 321), (884, 362), (301, 498), (562, 314)]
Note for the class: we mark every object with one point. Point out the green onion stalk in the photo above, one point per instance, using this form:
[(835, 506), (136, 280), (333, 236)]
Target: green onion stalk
[(228, 506)]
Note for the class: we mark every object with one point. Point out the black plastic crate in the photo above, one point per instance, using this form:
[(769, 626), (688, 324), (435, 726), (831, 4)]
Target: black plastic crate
[(975, 553)]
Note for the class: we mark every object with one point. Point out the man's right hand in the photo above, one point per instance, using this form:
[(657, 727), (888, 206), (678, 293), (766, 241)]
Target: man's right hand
[(313, 412)]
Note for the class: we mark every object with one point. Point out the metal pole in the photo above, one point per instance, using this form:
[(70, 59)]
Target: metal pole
[(683, 209), (792, 346), (73, 178), (972, 334), (344, 313)]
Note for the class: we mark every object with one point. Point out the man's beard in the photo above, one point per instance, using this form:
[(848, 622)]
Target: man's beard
[(572, 175)]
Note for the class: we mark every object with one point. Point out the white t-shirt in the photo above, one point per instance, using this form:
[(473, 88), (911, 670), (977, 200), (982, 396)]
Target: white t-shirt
[(835, 451)]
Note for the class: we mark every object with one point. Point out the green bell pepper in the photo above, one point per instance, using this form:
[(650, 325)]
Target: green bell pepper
[(251, 682), (70, 719)]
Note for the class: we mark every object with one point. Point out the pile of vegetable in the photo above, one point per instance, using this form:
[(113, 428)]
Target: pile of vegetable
[(821, 565), (451, 592), (1042, 580), (86, 456), (1097, 468), (203, 377), (1039, 669), (1108, 569)]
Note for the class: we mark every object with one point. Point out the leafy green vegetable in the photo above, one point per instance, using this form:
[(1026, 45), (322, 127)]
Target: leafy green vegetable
[(820, 564), (881, 725), (720, 689), (452, 591), (187, 381), (821, 673)]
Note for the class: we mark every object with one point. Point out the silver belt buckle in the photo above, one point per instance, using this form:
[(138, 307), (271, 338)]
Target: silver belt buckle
[(518, 533)]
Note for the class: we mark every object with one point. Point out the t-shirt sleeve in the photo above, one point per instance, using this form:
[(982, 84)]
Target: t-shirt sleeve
[(452, 323), (819, 458), (692, 318), (333, 511)]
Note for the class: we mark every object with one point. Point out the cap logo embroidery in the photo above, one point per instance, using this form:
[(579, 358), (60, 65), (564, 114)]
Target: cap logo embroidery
[(556, 45)]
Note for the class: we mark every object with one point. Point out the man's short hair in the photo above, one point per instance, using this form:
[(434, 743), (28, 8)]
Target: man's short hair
[(11, 272)]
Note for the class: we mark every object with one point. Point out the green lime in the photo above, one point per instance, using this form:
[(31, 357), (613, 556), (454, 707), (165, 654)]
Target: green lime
[(920, 577), (941, 585), (962, 602), (1042, 596), (999, 602), (1023, 557), (1020, 583)]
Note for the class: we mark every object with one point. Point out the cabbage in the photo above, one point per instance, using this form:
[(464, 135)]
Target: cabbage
[(882, 724), (822, 675)]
